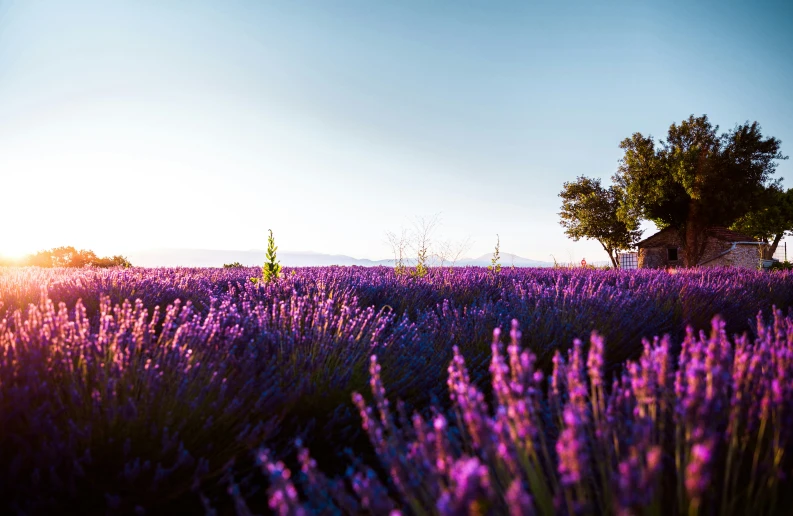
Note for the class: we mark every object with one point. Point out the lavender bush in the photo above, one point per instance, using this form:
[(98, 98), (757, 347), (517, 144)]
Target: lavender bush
[(151, 390), (706, 436)]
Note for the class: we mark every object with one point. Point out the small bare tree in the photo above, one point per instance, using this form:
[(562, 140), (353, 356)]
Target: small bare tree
[(442, 253), (399, 245), (422, 242), (495, 266), (458, 249), (419, 240), (451, 252)]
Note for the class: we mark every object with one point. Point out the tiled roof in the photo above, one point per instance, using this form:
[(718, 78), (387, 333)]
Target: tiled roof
[(717, 232), (728, 235), (647, 242)]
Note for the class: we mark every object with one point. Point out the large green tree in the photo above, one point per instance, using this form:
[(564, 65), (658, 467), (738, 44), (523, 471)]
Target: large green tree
[(772, 221), (590, 211), (696, 178)]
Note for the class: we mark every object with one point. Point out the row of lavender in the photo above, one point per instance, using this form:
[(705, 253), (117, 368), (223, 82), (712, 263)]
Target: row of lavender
[(710, 436), (158, 403)]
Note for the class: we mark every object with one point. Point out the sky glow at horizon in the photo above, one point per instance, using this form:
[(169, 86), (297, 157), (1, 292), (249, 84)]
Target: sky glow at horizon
[(149, 125)]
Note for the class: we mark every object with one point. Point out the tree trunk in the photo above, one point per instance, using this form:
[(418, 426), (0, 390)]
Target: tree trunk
[(613, 257), (695, 237), (769, 254), (696, 228)]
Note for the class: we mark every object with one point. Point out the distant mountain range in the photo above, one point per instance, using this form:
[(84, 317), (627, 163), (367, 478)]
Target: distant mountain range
[(215, 258), (507, 260)]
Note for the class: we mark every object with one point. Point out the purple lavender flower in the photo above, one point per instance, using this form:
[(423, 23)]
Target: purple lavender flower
[(283, 495), (206, 367), (698, 469), (469, 487), (595, 360), (518, 501), (572, 448)]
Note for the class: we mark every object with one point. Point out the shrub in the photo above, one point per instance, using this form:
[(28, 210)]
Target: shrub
[(114, 261), (271, 270), (781, 266), (495, 266)]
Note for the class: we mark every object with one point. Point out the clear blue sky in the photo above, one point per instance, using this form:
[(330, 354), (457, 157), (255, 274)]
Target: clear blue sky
[(132, 125)]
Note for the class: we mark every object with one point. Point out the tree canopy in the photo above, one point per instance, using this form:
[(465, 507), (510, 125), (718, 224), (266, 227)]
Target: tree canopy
[(696, 178), (68, 256), (591, 211), (772, 221)]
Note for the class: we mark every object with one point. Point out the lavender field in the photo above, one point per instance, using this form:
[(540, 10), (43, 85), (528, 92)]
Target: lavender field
[(347, 390)]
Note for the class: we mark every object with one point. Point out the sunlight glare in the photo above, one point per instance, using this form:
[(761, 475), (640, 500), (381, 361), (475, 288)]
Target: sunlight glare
[(15, 249)]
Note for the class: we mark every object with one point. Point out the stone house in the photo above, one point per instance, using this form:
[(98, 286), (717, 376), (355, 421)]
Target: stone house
[(723, 248)]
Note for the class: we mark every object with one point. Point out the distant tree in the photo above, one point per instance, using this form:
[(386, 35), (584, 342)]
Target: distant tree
[(772, 222), (399, 245), (235, 265), (458, 249), (591, 211), (68, 256), (113, 261), (419, 241), (442, 253), (422, 243), (40, 259), (696, 178), (451, 252)]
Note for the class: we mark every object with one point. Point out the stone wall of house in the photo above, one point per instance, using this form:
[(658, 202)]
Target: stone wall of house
[(714, 247), (657, 256), (653, 258), (745, 256)]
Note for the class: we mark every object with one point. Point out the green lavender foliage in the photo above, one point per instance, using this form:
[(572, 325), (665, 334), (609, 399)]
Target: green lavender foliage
[(271, 270)]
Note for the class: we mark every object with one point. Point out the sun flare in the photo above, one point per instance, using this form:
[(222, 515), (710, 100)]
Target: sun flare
[(15, 250)]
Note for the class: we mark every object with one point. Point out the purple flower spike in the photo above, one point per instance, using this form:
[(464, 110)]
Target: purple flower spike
[(595, 360), (518, 500), (469, 487), (697, 476), (572, 448)]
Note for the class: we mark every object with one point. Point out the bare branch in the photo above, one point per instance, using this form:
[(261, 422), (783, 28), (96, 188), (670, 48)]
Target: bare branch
[(399, 244), (459, 249)]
